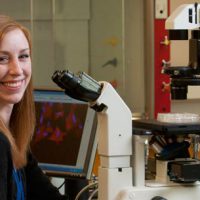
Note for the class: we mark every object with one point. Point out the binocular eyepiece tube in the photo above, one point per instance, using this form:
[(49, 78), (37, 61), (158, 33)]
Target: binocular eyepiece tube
[(80, 86)]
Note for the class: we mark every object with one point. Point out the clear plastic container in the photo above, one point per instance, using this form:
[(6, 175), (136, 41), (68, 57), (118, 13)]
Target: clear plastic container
[(178, 117)]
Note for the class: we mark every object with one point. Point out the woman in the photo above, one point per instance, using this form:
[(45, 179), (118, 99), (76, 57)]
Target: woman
[(20, 176)]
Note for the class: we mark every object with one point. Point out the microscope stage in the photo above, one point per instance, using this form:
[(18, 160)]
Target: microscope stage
[(152, 126)]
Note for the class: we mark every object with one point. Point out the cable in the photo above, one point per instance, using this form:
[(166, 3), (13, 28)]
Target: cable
[(84, 189), (92, 194), (61, 185)]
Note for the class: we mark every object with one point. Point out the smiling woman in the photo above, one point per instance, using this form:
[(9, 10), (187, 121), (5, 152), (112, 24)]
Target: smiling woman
[(20, 176), (15, 66)]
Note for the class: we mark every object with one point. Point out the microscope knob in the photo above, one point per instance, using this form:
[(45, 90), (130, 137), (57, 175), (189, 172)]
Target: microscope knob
[(166, 41), (158, 198)]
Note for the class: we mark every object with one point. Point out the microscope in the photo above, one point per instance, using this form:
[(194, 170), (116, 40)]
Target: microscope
[(123, 143), (121, 147), (175, 141), (183, 19)]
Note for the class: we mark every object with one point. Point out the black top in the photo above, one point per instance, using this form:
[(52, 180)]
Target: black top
[(37, 185)]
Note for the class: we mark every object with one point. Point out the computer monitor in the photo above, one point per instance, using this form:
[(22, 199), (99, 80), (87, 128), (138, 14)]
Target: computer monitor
[(65, 139)]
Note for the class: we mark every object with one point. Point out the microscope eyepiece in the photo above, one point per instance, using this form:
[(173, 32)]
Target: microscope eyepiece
[(80, 86), (56, 79), (69, 80)]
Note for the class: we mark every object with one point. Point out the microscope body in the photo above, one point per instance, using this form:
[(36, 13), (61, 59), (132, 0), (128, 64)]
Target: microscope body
[(183, 19), (176, 178), (122, 148)]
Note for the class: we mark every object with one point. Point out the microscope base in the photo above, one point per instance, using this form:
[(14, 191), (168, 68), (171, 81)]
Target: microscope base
[(183, 192)]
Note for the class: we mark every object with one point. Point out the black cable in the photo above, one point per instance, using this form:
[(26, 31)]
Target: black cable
[(61, 185)]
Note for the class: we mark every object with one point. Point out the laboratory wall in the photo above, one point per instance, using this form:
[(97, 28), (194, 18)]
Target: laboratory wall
[(60, 38), (134, 53), (117, 48), (103, 38)]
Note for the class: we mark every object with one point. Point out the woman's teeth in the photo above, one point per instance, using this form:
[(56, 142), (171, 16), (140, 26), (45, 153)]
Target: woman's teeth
[(12, 84)]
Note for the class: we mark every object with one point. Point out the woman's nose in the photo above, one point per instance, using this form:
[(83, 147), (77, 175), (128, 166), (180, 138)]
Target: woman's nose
[(15, 67)]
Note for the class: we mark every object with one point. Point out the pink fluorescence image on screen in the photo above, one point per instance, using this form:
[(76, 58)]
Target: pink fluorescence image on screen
[(58, 132)]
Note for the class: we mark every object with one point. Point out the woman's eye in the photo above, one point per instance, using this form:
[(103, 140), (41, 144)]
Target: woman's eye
[(4, 59), (24, 56)]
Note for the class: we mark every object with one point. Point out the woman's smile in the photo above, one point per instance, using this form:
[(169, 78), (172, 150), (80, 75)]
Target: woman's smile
[(13, 85)]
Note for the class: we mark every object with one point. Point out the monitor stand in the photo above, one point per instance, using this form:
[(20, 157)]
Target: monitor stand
[(74, 186)]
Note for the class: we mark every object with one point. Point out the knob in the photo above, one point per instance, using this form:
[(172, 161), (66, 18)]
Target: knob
[(165, 63), (165, 42), (165, 87)]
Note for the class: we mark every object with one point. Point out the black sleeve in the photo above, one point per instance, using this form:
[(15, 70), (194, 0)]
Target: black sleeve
[(38, 185), (5, 169)]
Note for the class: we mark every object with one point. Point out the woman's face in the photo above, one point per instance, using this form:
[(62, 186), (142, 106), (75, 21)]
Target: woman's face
[(15, 66)]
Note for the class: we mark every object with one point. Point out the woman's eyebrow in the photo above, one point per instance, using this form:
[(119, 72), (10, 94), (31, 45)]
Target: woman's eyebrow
[(21, 51), (4, 52), (27, 49)]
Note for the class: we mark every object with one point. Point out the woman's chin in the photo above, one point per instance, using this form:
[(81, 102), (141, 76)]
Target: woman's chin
[(13, 99)]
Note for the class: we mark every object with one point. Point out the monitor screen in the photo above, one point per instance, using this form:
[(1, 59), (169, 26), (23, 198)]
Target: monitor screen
[(64, 141)]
